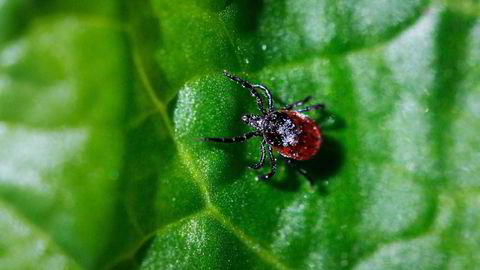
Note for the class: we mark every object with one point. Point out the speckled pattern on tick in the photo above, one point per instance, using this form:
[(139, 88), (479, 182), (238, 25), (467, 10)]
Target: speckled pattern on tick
[(288, 131)]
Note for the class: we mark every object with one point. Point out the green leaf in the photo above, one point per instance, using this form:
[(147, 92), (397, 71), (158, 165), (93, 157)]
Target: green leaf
[(102, 104)]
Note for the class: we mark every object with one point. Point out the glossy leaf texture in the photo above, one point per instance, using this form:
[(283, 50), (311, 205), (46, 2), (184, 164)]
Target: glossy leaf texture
[(102, 104)]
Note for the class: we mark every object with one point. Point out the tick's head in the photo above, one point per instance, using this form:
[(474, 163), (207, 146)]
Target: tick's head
[(254, 121)]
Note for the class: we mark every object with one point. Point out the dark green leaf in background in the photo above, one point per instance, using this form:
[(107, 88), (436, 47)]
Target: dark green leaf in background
[(102, 102)]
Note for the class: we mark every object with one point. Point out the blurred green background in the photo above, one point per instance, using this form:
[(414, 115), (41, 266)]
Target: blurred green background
[(101, 103)]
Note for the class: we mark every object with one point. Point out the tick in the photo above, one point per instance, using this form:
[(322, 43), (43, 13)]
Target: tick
[(287, 130)]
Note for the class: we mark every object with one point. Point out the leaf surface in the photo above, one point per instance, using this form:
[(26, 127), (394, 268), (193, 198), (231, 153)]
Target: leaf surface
[(102, 105)]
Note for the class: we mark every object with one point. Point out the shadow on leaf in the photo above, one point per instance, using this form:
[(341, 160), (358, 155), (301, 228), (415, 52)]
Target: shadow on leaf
[(321, 168)]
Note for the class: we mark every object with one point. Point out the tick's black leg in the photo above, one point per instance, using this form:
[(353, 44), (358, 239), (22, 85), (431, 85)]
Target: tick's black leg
[(320, 106), (292, 164), (240, 138), (268, 94), (247, 85), (262, 158), (298, 103), (273, 161)]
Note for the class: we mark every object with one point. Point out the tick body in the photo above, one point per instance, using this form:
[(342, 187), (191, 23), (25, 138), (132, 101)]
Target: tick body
[(293, 134), (288, 131)]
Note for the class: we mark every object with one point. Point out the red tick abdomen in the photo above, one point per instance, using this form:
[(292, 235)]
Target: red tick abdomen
[(309, 138)]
